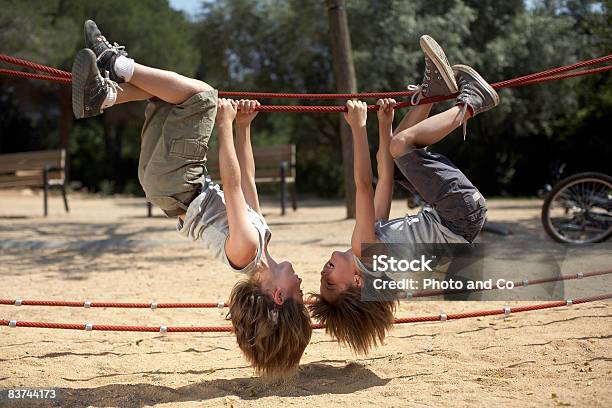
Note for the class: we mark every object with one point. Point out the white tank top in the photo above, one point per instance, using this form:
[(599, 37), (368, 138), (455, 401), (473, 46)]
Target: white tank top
[(206, 222)]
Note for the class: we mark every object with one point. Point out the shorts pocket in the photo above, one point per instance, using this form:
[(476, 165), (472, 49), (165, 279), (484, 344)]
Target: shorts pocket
[(190, 149), (475, 215)]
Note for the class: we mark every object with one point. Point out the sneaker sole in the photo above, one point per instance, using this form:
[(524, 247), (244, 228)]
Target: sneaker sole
[(89, 26), (437, 55), (486, 86), (81, 69)]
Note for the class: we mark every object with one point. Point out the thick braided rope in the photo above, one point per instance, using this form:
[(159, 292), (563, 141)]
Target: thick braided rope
[(549, 75), (560, 76), (121, 305), (524, 80), (554, 71), (36, 67), (192, 305), (29, 75), (209, 329), (504, 311), (512, 84), (285, 95), (517, 284), (226, 94)]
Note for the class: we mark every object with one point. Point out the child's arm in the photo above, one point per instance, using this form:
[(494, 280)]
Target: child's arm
[(364, 193), (384, 188), (242, 242), (244, 151)]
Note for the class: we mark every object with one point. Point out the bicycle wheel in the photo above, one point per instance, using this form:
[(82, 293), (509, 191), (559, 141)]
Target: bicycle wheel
[(578, 210)]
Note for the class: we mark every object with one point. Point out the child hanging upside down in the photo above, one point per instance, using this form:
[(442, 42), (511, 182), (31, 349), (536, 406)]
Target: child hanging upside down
[(266, 309), (458, 209)]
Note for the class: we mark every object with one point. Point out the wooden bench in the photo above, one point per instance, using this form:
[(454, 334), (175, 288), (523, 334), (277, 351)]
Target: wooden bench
[(43, 168), (273, 164)]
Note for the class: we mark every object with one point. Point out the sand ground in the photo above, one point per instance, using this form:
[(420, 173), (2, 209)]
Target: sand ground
[(107, 250)]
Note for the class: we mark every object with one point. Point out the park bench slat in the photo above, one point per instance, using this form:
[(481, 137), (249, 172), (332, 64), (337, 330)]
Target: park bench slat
[(35, 160), (33, 178), (268, 161), (28, 181), (42, 168)]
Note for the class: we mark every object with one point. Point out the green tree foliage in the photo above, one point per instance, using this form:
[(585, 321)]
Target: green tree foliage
[(51, 32), (283, 45)]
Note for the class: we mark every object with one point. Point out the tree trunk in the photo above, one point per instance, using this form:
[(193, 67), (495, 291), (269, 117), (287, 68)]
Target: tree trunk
[(66, 118), (344, 72), (66, 122)]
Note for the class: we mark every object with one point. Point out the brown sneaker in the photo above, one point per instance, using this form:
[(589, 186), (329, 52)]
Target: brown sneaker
[(475, 92), (438, 79), (106, 53), (89, 87)]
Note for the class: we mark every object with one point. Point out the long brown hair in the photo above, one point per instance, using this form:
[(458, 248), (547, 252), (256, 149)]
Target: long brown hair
[(272, 337), (358, 324)]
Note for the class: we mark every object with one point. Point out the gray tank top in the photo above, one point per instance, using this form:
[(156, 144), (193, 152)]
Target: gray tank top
[(422, 228), (206, 222)]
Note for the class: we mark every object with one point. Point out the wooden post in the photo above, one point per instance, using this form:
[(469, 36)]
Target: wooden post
[(46, 189), (283, 192), (64, 196), (344, 72), (293, 196), (66, 118)]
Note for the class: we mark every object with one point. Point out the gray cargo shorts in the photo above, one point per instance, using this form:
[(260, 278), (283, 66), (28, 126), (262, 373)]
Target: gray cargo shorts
[(461, 207), (172, 163)]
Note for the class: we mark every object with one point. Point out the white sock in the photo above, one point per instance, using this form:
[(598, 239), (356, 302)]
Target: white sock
[(124, 67), (111, 98)]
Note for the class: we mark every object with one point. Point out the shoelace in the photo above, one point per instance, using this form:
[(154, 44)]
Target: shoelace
[(110, 82), (463, 113), (104, 82), (114, 48), (417, 95), (420, 89), (467, 91)]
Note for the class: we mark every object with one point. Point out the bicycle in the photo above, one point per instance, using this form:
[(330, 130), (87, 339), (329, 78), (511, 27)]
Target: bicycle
[(578, 209)]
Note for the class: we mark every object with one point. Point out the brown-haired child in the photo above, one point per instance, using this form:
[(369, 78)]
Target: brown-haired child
[(267, 311), (458, 209)]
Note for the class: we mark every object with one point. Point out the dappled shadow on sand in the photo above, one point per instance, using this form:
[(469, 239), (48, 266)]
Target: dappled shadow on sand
[(76, 246), (312, 379)]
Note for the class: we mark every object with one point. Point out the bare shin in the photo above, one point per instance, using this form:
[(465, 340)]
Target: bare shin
[(166, 85), (426, 132)]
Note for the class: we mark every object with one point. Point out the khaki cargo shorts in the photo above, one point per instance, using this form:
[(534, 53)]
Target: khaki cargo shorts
[(172, 164)]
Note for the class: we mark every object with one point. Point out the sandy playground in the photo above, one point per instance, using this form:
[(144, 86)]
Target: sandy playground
[(107, 250)]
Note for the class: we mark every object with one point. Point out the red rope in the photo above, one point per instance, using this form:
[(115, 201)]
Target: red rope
[(36, 67), (555, 75), (209, 329), (285, 95), (524, 80), (551, 72), (517, 283), (538, 77), (191, 305), (508, 84), (123, 305), (29, 75), (562, 76), (518, 309)]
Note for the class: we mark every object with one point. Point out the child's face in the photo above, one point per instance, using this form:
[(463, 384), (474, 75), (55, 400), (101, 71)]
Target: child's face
[(288, 281), (338, 274)]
